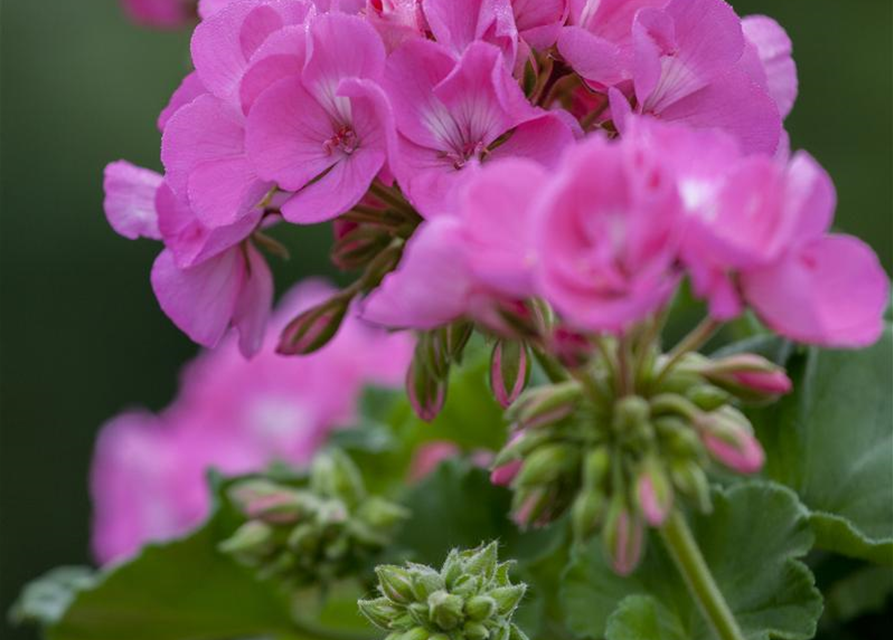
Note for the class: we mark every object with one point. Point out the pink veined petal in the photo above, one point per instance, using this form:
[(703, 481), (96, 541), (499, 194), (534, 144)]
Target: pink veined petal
[(190, 88), (735, 104), (706, 37), (224, 191), (539, 21), (831, 292), (283, 54), (341, 46), (495, 209), (543, 139), (200, 300), (223, 44), (253, 305), (411, 74), (205, 129), (130, 200), (458, 23), (338, 190), (188, 239), (811, 197), (609, 19), (774, 49), (600, 62), (286, 135), (431, 284)]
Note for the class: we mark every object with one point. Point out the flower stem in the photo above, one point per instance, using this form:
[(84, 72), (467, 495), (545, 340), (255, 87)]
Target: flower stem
[(697, 338), (550, 366), (691, 564)]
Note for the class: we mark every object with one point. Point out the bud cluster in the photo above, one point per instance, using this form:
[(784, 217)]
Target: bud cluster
[(617, 461), (470, 598), (315, 534)]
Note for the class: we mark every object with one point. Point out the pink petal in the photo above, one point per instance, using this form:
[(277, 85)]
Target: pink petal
[(429, 180), (774, 50), (431, 284), (832, 292), (190, 89), (287, 131), (281, 55), (458, 23), (600, 61), (130, 200), (224, 191), (811, 197), (544, 139), (341, 46), (539, 21), (253, 305), (223, 44), (200, 300)]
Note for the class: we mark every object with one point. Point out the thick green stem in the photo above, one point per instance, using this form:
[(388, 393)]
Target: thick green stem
[(685, 552)]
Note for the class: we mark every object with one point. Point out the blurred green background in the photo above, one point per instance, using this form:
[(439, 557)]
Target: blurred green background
[(81, 336)]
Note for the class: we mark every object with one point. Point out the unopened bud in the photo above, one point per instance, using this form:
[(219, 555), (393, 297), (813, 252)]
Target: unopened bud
[(313, 328), (380, 513), (596, 466), (508, 598), (426, 392), (587, 513), (546, 405), (416, 633), (456, 337), (395, 583), (445, 609), (546, 464), (654, 492), (425, 582), (358, 246), (729, 438), (475, 631), (252, 539), (630, 414), (509, 369), (267, 501), (573, 349), (691, 481), (480, 608), (528, 506), (518, 319), (483, 561), (707, 397), (379, 611), (334, 475), (623, 533), (749, 376), (504, 475)]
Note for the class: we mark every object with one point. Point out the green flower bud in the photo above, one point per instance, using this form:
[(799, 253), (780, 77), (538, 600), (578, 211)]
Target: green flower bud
[(379, 513), (516, 633), (480, 608), (630, 414), (395, 583), (483, 562), (253, 539), (467, 585), (419, 613), (416, 633), (587, 512), (379, 611), (622, 536), (692, 482), (596, 466), (445, 609), (452, 568), (707, 397), (475, 631), (426, 581), (334, 475), (546, 464), (508, 598), (545, 405), (261, 499), (439, 636), (304, 539)]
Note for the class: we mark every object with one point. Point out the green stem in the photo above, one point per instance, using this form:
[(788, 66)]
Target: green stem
[(685, 552), (317, 632), (550, 366), (697, 338)]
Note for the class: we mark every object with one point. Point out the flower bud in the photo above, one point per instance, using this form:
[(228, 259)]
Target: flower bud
[(707, 397), (426, 393), (480, 608), (357, 247), (334, 475), (690, 479), (456, 337), (545, 405), (475, 631), (572, 348), (654, 492), (508, 598), (596, 467), (518, 319), (379, 611), (379, 513), (483, 561), (425, 582), (264, 500), (546, 464), (312, 329), (622, 536), (504, 475), (728, 437), (509, 369), (394, 583), (630, 414), (528, 506), (587, 513), (749, 376), (416, 633), (252, 539), (445, 609)]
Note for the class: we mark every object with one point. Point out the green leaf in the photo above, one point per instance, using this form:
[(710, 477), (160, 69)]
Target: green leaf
[(831, 441), (751, 543), (45, 600)]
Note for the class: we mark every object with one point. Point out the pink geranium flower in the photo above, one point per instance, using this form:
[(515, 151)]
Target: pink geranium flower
[(452, 115), (606, 232)]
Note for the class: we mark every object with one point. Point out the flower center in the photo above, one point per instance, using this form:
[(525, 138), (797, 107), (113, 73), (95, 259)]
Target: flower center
[(345, 140)]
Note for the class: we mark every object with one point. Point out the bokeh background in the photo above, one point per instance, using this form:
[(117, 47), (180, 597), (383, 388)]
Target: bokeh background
[(81, 336)]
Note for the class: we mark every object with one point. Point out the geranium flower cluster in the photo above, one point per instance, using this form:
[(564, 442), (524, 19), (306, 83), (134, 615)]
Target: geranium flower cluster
[(545, 172), (236, 416)]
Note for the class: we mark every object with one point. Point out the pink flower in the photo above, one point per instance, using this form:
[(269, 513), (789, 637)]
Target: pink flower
[(396, 20), (539, 21), (456, 24), (237, 416), (466, 265), (166, 14), (326, 133), (450, 114), (687, 63), (606, 232), (777, 71), (130, 200)]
